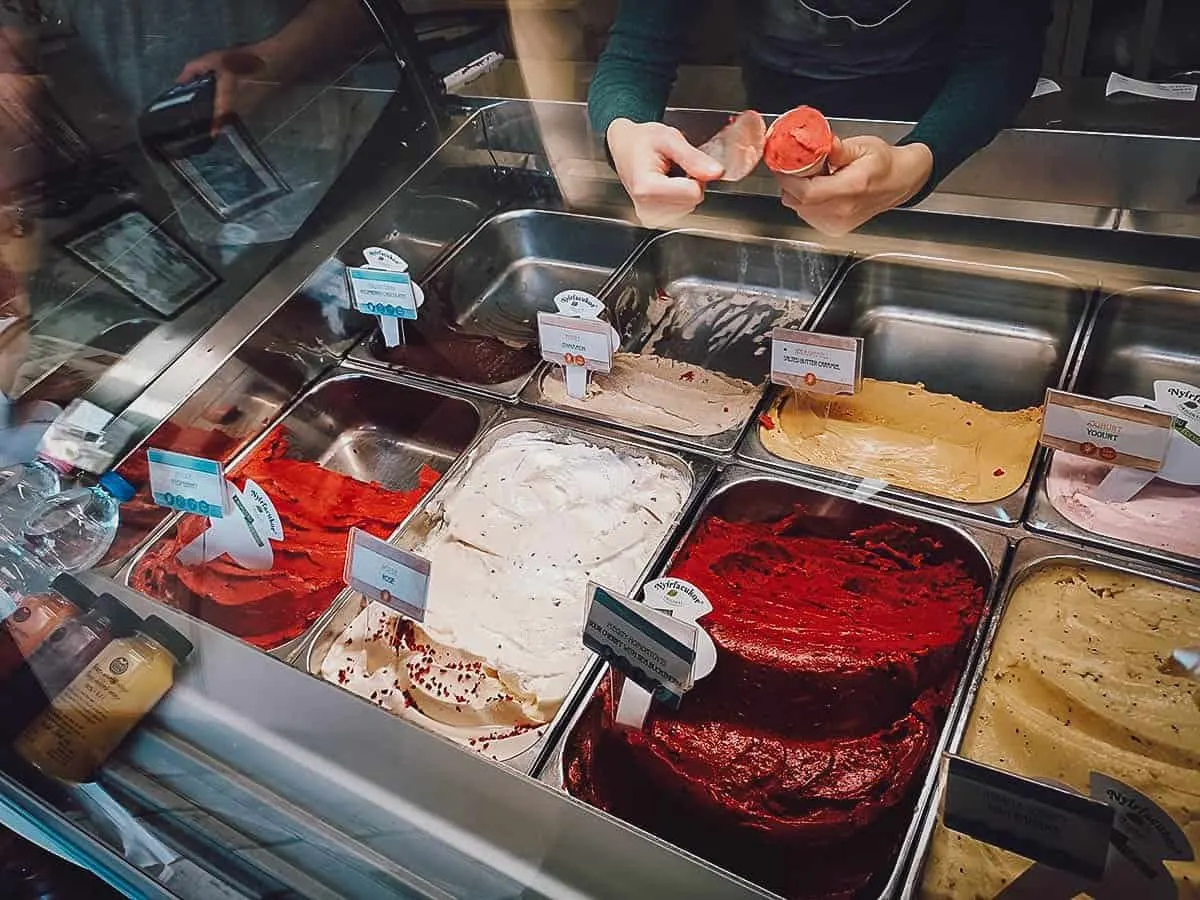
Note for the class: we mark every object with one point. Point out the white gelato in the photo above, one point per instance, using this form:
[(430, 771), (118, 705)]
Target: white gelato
[(529, 523)]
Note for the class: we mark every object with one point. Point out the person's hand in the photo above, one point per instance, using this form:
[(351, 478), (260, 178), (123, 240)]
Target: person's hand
[(644, 155), (869, 176), (242, 81)]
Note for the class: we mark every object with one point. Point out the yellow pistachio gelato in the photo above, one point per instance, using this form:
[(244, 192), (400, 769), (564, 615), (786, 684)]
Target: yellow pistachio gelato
[(1079, 681)]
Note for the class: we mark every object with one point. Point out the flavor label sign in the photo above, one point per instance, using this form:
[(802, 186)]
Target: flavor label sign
[(569, 341), (818, 363), (1046, 823), (653, 650), (1107, 431), (379, 292), (244, 535), (189, 484), (391, 576)]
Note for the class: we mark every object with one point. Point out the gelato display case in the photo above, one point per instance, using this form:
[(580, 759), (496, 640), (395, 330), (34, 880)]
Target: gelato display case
[(876, 581)]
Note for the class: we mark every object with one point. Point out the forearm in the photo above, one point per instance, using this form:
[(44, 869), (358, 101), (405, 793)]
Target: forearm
[(997, 69), (637, 68), (324, 30)]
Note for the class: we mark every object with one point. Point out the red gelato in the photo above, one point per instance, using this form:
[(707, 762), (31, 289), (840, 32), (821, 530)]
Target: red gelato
[(797, 761), (317, 508), (797, 141)]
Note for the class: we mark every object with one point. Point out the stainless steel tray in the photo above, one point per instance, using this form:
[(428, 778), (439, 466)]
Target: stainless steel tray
[(1030, 555), (710, 300), (766, 493), (498, 279), (368, 427), (994, 335), (425, 517), (1134, 339)]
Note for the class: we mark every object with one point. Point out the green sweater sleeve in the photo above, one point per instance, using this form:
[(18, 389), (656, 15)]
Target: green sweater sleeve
[(996, 69), (637, 68)]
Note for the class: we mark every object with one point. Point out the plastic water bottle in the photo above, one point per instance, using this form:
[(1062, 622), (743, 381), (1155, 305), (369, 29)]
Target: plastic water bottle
[(72, 531), (24, 486)]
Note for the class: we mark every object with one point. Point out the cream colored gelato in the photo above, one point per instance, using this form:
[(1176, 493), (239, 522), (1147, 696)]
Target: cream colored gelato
[(528, 524), (908, 437), (1079, 681), (656, 392)]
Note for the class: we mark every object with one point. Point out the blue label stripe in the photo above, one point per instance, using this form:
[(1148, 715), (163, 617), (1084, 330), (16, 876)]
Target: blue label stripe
[(376, 275), (180, 461), (646, 627)]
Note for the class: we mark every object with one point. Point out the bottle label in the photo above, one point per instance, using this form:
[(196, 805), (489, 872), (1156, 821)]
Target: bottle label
[(189, 484), (94, 713)]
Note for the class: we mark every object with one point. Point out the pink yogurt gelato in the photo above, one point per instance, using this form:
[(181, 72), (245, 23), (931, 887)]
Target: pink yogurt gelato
[(1162, 515)]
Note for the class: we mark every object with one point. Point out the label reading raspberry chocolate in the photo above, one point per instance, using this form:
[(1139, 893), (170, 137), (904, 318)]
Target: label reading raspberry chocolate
[(653, 650), (188, 484)]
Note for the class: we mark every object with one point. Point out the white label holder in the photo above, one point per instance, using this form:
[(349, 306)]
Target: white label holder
[(388, 575)]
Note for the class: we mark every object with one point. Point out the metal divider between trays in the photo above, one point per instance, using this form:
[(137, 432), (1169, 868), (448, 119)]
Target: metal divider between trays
[(1031, 554), (992, 543)]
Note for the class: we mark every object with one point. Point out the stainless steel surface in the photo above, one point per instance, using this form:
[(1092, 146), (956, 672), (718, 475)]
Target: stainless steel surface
[(1134, 339), (372, 428), (426, 517), (990, 335), (299, 776), (745, 493), (709, 300), (506, 272), (1031, 555)]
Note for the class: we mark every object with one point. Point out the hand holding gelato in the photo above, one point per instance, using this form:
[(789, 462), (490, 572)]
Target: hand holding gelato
[(798, 142)]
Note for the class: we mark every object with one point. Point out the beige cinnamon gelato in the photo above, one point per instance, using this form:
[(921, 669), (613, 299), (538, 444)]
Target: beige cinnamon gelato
[(908, 437), (657, 392), (1079, 681)]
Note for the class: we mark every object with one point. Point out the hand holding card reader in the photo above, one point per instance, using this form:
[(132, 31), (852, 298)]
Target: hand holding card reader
[(181, 116)]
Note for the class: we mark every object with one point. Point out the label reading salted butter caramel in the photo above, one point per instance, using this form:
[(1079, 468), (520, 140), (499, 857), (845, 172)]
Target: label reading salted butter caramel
[(1044, 822), (1106, 431), (652, 649), (818, 363), (391, 576)]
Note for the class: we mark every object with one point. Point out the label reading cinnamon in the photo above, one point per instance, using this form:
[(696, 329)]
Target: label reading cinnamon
[(817, 363), (1106, 431), (571, 341)]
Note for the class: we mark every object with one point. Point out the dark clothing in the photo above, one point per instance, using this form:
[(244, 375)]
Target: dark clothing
[(962, 68)]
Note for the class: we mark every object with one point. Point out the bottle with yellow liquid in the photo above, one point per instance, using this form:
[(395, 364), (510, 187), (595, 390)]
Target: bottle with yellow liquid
[(86, 722)]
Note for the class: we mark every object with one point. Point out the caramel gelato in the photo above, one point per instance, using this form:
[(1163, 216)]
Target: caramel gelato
[(656, 392), (908, 437), (1079, 681)]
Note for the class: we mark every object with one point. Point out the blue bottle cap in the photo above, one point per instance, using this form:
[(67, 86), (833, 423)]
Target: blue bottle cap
[(118, 487)]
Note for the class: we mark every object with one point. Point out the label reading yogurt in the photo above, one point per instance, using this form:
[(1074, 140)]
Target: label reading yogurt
[(388, 575), (653, 650), (1106, 431), (1044, 822), (189, 484), (818, 363)]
